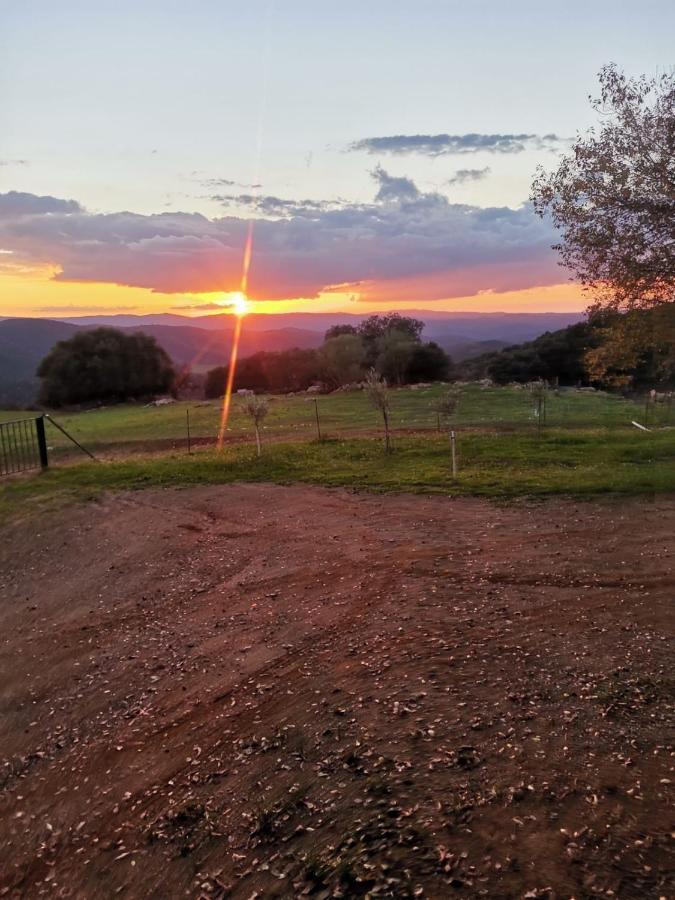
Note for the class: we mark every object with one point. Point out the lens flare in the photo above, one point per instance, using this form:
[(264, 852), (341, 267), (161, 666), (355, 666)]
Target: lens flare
[(239, 303), (238, 300)]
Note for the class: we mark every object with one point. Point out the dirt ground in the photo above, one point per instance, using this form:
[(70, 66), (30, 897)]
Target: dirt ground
[(261, 691)]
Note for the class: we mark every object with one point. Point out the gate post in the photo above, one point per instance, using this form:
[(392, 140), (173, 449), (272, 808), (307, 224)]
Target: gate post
[(42, 441)]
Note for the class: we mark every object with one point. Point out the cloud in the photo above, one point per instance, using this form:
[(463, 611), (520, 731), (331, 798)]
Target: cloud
[(419, 241), (276, 206), (391, 188), (13, 162), (16, 203), (210, 305), (455, 144), (462, 176)]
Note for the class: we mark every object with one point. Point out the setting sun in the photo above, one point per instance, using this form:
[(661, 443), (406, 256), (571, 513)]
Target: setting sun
[(239, 303)]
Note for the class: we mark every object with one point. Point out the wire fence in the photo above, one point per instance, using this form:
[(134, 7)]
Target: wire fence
[(349, 414)]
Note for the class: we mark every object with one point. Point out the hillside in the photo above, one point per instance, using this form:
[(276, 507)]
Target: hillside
[(205, 341), (23, 343)]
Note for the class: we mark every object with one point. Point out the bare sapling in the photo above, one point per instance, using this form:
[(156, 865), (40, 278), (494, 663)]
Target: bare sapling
[(446, 408), (378, 394), (256, 408), (538, 391)]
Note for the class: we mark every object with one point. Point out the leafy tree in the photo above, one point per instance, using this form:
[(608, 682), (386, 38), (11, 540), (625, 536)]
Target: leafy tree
[(395, 351), (429, 362), (635, 350), (341, 359), (287, 370), (104, 365), (613, 196), (338, 330), (215, 383), (373, 329), (557, 356)]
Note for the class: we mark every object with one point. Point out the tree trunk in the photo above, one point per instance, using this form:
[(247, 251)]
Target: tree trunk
[(257, 441)]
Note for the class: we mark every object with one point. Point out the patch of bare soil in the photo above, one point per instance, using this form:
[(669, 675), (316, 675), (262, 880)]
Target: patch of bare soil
[(260, 691)]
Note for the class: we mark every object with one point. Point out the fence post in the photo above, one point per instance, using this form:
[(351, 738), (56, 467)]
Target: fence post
[(187, 418), (42, 441), (454, 454), (316, 411)]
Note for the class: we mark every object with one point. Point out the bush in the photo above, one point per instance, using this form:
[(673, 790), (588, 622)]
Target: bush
[(104, 366)]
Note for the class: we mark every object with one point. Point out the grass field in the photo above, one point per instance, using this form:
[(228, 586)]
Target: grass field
[(344, 414), (587, 447), (493, 464)]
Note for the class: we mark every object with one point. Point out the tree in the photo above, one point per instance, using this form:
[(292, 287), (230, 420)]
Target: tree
[(216, 381), (635, 350), (341, 359), (446, 407), (256, 408), (429, 362), (337, 330), (373, 329), (613, 196), (104, 365), (395, 350), (554, 356), (378, 394)]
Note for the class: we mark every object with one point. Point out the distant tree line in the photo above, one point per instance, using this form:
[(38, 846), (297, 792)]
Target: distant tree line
[(390, 344), (633, 350)]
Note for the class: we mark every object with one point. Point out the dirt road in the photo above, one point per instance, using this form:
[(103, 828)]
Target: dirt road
[(262, 691)]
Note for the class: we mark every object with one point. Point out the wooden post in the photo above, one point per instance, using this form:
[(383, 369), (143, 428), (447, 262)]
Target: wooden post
[(454, 454), (42, 441), (316, 413), (187, 422)]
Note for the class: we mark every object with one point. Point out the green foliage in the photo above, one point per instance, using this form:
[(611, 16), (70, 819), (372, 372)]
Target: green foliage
[(338, 330), (373, 329), (104, 365), (275, 372), (612, 196), (394, 352), (390, 343), (557, 357), (341, 359), (429, 362), (637, 349)]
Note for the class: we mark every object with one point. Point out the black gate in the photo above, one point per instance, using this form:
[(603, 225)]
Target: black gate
[(23, 445)]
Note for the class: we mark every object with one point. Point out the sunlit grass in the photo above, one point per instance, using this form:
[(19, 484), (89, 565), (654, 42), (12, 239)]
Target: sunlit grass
[(492, 464), (345, 414)]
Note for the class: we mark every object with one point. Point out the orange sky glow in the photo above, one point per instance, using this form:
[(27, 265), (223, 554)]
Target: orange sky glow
[(35, 293)]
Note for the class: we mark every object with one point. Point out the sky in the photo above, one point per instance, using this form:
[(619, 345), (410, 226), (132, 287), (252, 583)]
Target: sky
[(372, 155)]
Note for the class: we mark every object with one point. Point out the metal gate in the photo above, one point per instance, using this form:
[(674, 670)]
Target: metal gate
[(23, 445)]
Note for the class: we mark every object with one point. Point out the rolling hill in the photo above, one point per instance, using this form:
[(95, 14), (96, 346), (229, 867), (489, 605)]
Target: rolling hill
[(203, 342)]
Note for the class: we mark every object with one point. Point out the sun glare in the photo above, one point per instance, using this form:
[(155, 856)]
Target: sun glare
[(239, 303)]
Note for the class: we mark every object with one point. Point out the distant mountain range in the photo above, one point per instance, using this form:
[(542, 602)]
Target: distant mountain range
[(204, 341)]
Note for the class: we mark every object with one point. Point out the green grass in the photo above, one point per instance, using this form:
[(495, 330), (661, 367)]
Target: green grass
[(342, 415), (492, 464)]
